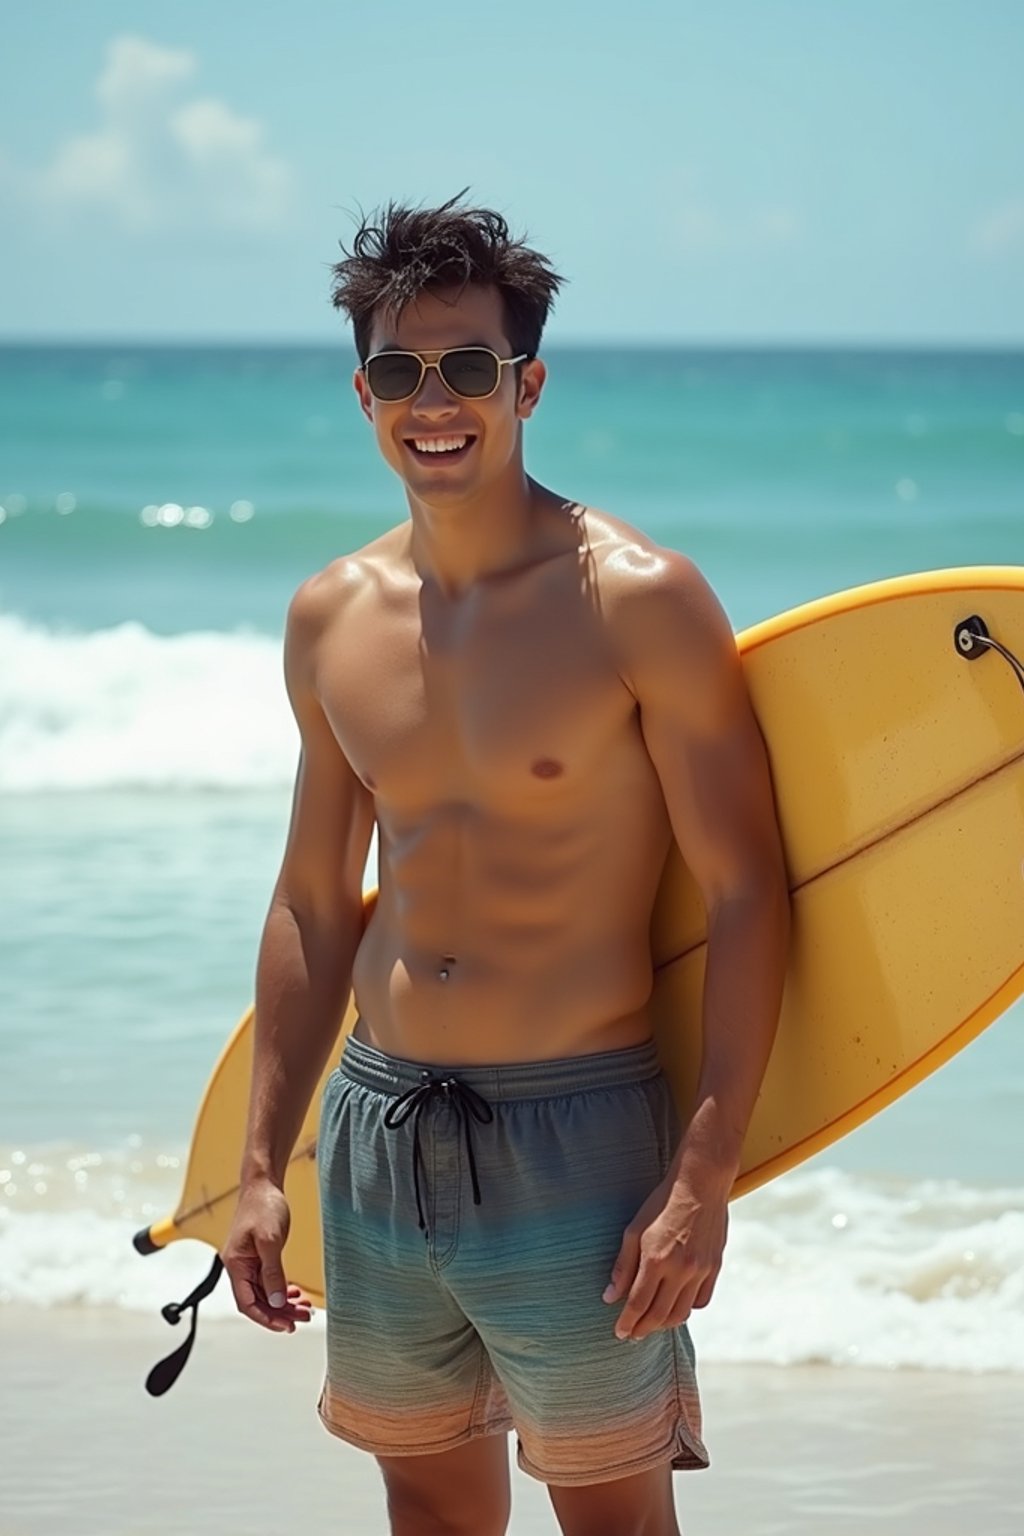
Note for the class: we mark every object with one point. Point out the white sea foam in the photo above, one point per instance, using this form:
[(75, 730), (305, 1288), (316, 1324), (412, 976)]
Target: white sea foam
[(123, 707), (827, 1266), (820, 1265)]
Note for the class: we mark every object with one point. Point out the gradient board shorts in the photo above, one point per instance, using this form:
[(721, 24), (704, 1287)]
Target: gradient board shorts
[(448, 1319)]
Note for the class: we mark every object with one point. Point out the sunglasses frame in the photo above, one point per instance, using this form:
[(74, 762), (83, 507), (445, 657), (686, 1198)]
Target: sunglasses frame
[(502, 362)]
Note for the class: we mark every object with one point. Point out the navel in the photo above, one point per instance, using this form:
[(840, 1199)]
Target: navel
[(547, 768)]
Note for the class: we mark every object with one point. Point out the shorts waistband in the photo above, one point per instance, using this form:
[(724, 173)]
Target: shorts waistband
[(512, 1080)]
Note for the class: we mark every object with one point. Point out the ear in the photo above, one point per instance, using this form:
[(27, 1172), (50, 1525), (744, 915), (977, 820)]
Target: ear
[(362, 389), (531, 383)]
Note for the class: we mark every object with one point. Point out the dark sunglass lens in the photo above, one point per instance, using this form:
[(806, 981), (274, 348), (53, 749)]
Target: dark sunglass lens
[(470, 372), (392, 376)]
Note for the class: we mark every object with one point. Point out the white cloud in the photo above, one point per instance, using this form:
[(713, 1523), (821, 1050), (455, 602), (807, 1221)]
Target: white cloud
[(154, 162), (1000, 231), (228, 150), (135, 68)]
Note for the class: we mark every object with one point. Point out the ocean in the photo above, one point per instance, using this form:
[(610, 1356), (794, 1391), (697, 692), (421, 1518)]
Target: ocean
[(158, 507)]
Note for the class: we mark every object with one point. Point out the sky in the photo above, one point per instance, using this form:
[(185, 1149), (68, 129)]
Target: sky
[(784, 172)]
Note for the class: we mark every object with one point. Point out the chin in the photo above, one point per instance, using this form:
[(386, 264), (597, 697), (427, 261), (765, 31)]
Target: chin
[(441, 484), (433, 494)]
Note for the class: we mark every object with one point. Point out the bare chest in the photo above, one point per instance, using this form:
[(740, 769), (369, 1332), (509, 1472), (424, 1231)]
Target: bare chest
[(489, 704)]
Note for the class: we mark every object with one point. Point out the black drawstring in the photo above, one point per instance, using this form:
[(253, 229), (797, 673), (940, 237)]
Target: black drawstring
[(467, 1102)]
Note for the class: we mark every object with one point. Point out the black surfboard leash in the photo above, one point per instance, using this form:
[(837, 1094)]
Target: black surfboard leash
[(972, 641), (166, 1372)]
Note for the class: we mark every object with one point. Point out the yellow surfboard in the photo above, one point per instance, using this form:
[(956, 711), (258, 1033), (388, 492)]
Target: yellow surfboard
[(894, 720)]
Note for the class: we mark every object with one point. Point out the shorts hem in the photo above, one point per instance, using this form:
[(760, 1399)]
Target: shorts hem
[(683, 1454), (431, 1447)]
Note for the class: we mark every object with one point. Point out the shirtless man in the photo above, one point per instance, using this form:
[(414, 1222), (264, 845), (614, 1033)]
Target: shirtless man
[(530, 699)]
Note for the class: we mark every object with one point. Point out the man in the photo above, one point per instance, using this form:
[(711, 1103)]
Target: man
[(530, 699)]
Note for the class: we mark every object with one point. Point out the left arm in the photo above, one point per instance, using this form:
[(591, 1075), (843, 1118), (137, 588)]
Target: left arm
[(681, 663)]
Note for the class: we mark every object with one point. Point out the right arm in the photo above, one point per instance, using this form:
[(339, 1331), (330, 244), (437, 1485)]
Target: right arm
[(304, 966)]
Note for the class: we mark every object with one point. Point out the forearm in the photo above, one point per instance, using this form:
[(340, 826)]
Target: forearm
[(747, 950), (303, 977)]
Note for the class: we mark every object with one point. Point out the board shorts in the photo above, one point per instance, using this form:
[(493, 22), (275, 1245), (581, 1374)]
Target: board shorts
[(471, 1218)]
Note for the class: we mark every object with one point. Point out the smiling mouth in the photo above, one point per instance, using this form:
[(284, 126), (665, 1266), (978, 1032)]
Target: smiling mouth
[(440, 450)]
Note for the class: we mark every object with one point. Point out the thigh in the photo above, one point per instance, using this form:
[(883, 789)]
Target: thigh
[(641, 1505), (532, 1265), (406, 1370), (464, 1492)]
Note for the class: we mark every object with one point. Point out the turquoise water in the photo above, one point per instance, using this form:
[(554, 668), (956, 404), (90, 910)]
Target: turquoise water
[(158, 507), (783, 474)]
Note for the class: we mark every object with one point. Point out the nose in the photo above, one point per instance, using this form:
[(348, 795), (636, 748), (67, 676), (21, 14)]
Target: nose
[(433, 401)]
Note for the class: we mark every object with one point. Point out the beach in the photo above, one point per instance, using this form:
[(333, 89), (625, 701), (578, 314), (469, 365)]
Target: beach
[(862, 1362), (235, 1445)]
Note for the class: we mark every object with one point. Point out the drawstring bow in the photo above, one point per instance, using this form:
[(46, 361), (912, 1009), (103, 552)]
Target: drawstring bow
[(467, 1102)]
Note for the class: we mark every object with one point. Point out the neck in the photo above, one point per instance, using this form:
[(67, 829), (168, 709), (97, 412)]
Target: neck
[(454, 546)]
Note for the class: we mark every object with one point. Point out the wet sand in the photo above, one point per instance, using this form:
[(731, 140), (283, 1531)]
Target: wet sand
[(236, 1447)]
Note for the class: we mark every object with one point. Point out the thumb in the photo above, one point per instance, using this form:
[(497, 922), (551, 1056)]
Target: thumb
[(272, 1273), (624, 1268)]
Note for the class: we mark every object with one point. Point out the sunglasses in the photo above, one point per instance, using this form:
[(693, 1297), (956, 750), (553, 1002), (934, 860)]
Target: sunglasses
[(472, 373)]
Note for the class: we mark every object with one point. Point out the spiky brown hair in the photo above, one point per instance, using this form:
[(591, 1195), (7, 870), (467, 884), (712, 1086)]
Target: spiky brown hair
[(399, 252)]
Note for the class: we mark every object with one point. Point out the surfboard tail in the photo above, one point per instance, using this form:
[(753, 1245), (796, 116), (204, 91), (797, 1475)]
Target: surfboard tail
[(152, 1239)]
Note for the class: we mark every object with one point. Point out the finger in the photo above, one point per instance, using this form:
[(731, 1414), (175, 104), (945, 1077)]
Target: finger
[(297, 1307), (239, 1268), (254, 1305), (657, 1313), (679, 1314), (275, 1287), (687, 1300), (707, 1288), (297, 1299), (640, 1296), (625, 1267), (243, 1273)]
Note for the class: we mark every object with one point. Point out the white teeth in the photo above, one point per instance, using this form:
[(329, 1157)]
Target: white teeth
[(439, 444)]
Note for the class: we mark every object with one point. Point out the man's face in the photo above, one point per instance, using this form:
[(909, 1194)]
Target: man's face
[(450, 317)]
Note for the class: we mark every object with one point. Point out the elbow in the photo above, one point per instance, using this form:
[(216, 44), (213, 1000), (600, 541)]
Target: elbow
[(771, 891), (764, 889), (326, 922)]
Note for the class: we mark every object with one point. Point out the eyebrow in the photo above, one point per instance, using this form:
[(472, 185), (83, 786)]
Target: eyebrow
[(394, 347)]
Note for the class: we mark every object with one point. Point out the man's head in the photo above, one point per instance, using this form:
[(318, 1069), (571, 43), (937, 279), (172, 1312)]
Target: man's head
[(425, 280)]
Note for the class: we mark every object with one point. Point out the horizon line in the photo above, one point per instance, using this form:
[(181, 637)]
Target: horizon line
[(568, 344)]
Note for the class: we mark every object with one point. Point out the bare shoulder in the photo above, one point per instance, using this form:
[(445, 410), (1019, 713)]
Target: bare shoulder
[(629, 564), (656, 601), (345, 584)]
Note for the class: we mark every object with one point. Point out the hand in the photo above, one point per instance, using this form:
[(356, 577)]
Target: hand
[(671, 1255), (252, 1258)]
